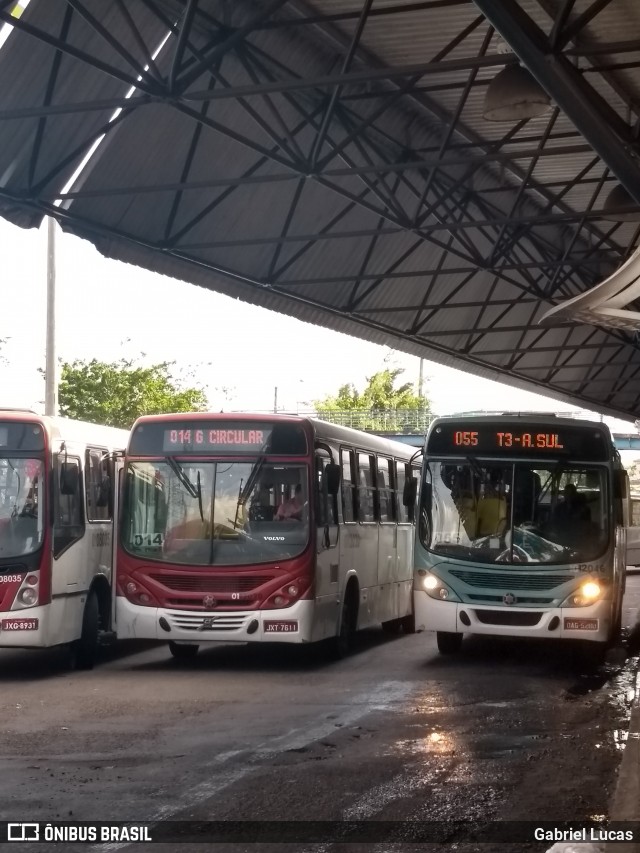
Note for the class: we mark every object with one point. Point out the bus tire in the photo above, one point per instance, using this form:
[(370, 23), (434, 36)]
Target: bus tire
[(448, 642), (616, 627), (590, 655), (181, 651), (342, 643), (83, 650)]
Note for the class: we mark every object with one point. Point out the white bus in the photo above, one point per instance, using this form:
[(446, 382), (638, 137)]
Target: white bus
[(56, 531), (251, 528), (521, 530)]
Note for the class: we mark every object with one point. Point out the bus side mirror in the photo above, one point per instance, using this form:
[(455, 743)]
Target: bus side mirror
[(332, 472), (69, 478), (410, 491)]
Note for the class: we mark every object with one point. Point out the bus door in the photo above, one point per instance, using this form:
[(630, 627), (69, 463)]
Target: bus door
[(327, 574), (69, 557), (118, 480), (633, 532), (388, 532), (368, 529)]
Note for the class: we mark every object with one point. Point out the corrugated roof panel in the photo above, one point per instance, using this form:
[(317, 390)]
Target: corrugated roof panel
[(464, 262)]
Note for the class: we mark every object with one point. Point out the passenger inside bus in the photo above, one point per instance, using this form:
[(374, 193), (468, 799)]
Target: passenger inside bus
[(292, 507), (571, 518), (261, 507), (461, 483), (492, 507)]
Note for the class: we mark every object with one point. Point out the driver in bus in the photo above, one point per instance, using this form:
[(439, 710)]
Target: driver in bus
[(291, 508)]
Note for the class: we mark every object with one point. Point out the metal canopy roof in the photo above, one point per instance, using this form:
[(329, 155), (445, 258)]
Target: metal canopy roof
[(330, 160)]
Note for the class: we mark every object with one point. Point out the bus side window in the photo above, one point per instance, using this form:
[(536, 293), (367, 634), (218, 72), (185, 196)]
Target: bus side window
[(68, 501), (384, 490), (366, 489), (347, 485), (98, 483), (399, 480)]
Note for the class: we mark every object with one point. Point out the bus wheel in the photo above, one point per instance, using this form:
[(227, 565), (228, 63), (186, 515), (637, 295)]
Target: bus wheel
[(448, 642), (341, 645), (183, 652), (616, 627), (589, 655), (83, 650)]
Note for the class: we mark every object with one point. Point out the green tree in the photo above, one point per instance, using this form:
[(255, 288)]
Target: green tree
[(381, 406), (116, 393)]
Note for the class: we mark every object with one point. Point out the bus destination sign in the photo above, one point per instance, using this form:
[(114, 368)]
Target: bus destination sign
[(227, 438), (578, 442), (218, 437)]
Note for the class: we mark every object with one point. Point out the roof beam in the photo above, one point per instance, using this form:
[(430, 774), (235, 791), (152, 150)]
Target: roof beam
[(600, 125)]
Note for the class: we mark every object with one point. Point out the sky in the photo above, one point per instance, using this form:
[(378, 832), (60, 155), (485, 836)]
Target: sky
[(238, 353)]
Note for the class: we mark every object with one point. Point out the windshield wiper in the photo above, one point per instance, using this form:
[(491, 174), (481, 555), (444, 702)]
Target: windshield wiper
[(244, 492), (193, 491), (475, 467)]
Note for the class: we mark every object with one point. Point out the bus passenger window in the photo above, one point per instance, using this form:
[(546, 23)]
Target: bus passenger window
[(366, 489), (384, 490), (346, 485), (69, 518), (98, 485), (400, 479)]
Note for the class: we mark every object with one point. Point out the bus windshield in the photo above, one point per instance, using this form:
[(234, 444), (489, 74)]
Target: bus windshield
[(21, 506), (514, 512), (215, 513)]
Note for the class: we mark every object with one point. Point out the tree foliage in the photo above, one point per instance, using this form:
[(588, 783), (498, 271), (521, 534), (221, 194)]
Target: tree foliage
[(116, 393), (380, 406)]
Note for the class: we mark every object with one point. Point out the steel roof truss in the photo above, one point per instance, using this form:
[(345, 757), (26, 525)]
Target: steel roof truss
[(69, 50), (587, 110), (141, 70), (549, 289)]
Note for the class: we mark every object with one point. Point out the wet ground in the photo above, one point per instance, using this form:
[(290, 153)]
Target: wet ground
[(403, 744)]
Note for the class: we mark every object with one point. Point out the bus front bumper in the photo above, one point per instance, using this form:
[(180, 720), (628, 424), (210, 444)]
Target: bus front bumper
[(25, 629), (288, 625), (567, 623)]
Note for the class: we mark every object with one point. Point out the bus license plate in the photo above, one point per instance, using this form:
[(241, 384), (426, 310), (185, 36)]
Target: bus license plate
[(282, 626), (19, 625), (580, 624)]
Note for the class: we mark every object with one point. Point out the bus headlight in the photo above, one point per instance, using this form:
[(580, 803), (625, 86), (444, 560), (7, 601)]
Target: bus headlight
[(587, 593), (435, 588), (28, 596)]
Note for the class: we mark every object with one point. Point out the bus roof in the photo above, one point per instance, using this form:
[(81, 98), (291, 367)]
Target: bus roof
[(69, 429)]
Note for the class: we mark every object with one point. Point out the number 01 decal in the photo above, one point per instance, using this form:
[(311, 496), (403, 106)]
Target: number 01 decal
[(149, 540)]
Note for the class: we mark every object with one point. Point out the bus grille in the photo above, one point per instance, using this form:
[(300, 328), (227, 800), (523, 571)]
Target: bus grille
[(510, 580), (497, 599), (508, 617), (186, 583), (221, 622)]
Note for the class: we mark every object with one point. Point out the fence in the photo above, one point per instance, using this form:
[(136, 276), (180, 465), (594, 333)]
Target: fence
[(407, 421)]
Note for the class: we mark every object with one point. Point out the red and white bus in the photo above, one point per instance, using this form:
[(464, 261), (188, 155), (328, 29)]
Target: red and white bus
[(56, 531), (250, 528)]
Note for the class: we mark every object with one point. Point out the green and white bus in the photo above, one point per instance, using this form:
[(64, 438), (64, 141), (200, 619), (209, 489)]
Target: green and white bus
[(521, 530)]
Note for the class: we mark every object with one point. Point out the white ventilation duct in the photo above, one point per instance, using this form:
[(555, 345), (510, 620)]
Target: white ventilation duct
[(605, 304)]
